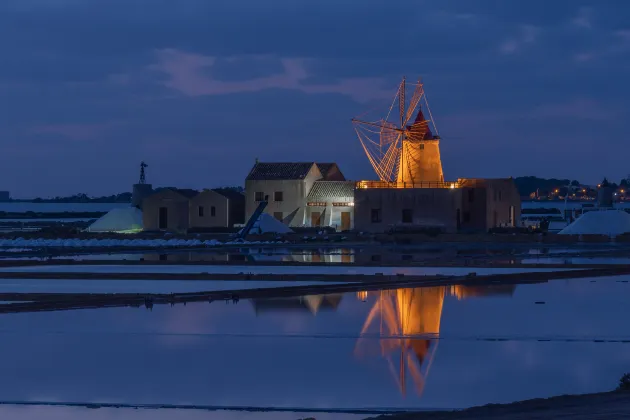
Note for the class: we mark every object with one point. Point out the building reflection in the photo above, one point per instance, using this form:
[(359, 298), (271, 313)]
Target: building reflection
[(406, 325), (311, 303)]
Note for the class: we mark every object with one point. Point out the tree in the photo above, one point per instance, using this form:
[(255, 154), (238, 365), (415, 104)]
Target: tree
[(575, 183)]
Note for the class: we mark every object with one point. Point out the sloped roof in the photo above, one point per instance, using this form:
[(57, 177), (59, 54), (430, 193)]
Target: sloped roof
[(280, 170), (331, 171), (230, 194), (324, 190), (185, 192), (188, 193)]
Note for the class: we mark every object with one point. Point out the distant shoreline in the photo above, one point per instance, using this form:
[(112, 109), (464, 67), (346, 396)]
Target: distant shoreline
[(603, 405), (61, 201)]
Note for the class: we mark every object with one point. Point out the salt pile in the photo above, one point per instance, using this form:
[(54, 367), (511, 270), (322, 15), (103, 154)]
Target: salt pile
[(602, 222), (125, 219), (268, 224)]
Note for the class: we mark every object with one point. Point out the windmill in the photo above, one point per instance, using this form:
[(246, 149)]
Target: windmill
[(406, 320), (400, 152)]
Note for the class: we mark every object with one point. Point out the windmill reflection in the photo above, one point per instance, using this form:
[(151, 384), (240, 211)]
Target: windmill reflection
[(407, 322)]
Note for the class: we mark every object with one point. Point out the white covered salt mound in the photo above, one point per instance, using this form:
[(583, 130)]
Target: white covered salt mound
[(268, 224), (599, 222), (125, 219)]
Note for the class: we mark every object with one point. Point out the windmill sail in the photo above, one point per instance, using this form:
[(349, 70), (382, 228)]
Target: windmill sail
[(408, 155)]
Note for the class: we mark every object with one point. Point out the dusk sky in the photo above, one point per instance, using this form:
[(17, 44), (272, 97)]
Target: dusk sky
[(201, 88)]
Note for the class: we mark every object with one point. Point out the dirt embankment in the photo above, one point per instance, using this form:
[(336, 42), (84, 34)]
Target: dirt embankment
[(602, 406)]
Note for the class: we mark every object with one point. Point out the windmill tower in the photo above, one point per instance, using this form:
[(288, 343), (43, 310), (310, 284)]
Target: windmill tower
[(401, 152)]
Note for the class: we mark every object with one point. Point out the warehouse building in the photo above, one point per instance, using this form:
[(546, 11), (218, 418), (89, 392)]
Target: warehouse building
[(183, 210)]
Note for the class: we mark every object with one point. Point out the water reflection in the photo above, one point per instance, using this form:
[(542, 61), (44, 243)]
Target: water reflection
[(329, 351), (312, 303), (397, 325), (397, 316)]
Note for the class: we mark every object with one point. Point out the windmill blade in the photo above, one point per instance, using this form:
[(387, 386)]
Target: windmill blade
[(401, 102), (418, 94), (373, 156), (390, 160), (388, 133), (426, 102)]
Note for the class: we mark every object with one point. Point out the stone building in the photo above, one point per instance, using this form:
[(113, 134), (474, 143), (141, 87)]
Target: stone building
[(465, 205), (331, 203), (181, 210), (287, 188)]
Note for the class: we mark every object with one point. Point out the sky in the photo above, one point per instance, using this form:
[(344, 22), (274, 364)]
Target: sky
[(199, 89)]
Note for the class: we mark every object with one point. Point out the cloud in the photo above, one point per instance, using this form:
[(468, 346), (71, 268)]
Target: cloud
[(615, 44), (527, 35), (583, 19), (193, 75), (579, 109)]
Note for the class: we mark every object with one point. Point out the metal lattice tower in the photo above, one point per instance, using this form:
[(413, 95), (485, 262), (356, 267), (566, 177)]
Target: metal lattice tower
[(143, 179)]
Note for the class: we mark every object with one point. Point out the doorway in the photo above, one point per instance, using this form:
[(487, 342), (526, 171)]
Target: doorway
[(345, 220), (316, 217), (163, 218)]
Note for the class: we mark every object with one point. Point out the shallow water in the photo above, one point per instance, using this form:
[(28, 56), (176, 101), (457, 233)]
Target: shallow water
[(280, 269), (457, 346), (140, 286), (73, 413)]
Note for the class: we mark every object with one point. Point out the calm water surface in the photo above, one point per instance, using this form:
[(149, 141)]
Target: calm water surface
[(410, 348)]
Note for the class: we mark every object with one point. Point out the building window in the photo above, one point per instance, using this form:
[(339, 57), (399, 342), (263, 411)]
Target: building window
[(278, 215), (163, 218), (421, 146), (407, 216), (466, 216), (200, 209), (260, 196), (471, 195), (213, 211), (500, 197), (376, 216), (277, 196)]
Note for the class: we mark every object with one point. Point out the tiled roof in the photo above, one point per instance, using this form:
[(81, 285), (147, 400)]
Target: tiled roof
[(188, 193), (325, 167), (324, 190), (331, 172), (280, 171), (230, 194)]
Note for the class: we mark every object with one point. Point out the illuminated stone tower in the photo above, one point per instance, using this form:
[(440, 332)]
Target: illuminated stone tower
[(420, 159)]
